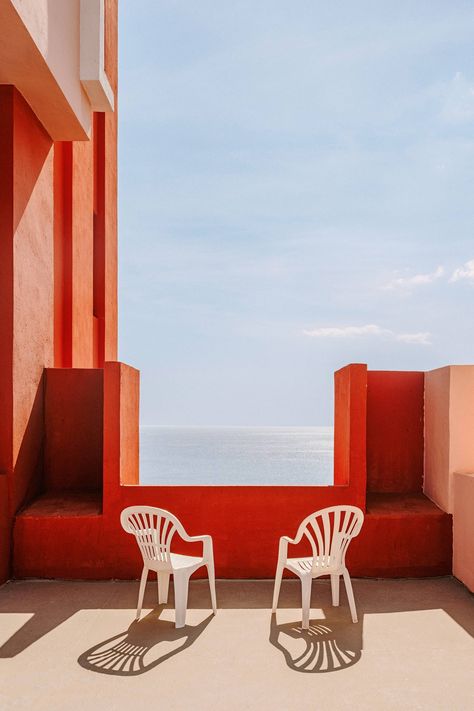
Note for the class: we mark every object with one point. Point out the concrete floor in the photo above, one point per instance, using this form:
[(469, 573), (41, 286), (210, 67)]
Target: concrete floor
[(74, 645)]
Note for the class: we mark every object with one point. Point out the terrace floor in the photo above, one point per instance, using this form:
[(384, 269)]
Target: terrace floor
[(74, 645)]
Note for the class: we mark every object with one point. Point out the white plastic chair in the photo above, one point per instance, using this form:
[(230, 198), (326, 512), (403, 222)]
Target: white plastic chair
[(329, 532), (154, 529)]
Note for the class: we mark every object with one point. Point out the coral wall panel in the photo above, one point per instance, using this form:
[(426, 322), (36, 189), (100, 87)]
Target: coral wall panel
[(26, 295), (33, 313), (110, 187), (82, 255), (395, 402), (62, 255)]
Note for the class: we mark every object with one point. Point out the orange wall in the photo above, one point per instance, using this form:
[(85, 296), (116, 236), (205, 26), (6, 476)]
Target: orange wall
[(395, 431)]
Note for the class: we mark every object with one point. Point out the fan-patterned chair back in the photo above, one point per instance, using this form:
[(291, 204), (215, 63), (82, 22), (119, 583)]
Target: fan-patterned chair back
[(153, 530), (329, 532)]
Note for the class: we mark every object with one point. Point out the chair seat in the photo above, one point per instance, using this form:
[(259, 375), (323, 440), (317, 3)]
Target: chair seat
[(304, 566), (154, 529), (179, 561)]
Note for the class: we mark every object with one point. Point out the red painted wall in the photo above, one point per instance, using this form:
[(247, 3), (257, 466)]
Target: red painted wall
[(350, 424), (401, 536), (26, 298), (395, 439), (73, 429)]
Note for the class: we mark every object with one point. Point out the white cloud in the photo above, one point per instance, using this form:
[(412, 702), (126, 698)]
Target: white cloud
[(416, 280), (464, 272), (371, 329), (423, 338)]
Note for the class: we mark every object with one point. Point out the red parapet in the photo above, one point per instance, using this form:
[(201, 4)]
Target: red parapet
[(402, 534)]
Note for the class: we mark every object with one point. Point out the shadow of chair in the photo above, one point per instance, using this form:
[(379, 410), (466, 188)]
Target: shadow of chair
[(329, 645), (143, 646), (332, 643)]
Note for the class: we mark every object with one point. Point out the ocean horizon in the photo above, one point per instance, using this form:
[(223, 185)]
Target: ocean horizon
[(236, 455)]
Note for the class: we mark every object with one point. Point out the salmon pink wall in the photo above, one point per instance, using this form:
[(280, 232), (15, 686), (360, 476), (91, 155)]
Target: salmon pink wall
[(110, 327), (461, 450), (39, 54), (395, 431), (437, 424), (449, 427), (463, 529)]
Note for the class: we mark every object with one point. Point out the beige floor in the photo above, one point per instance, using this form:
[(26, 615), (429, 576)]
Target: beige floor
[(73, 645)]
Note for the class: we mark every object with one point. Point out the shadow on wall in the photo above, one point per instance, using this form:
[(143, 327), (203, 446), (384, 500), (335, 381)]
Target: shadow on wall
[(28, 475)]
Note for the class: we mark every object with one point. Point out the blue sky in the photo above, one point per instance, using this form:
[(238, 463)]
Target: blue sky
[(296, 192)]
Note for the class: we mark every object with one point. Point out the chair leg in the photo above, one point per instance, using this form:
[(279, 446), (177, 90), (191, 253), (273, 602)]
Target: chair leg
[(306, 581), (163, 587), (141, 591), (181, 584), (350, 594), (212, 585), (335, 590), (276, 589)]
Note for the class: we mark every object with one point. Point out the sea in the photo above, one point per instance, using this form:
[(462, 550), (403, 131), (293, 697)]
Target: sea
[(272, 456)]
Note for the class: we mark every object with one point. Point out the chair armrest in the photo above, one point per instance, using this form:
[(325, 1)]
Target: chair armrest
[(193, 539), (206, 540), (285, 541), (288, 540)]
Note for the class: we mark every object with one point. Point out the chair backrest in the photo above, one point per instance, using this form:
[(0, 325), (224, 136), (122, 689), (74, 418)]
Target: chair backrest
[(153, 529), (329, 532)]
